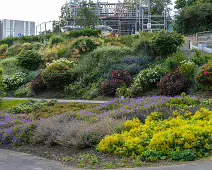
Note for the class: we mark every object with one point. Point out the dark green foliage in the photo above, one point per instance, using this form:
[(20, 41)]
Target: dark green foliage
[(85, 44), (193, 19), (85, 32), (55, 40), (153, 156), (144, 46), (183, 155), (166, 43), (3, 49), (98, 63), (27, 39), (174, 61), (200, 58), (86, 17), (29, 59), (2, 85), (162, 44)]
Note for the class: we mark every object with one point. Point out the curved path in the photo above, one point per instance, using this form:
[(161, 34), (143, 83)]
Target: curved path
[(59, 100), (10, 160)]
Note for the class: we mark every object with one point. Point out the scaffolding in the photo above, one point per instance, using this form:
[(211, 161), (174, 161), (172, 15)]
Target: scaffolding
[(124, 18)]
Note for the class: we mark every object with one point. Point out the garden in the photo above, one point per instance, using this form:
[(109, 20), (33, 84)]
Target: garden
[(157, 110)]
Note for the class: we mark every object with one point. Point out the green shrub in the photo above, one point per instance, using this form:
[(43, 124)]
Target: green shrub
[(25, 39), (24, 91), (29, 59), (31, 106), (59, 73), (86, 32), (2, 85), (201, 58), (14, 81), (56, 40), (27, 46), (10, 66), (3, 49), (86, 44), (144, 45), (14, 50), (31, 76), (147, 79), (183, 155), (166, 43), (188, 69), (98, 63), (173, 62)]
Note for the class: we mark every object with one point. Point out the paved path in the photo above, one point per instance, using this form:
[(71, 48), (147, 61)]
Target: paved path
[(59, 100), (10, 160)]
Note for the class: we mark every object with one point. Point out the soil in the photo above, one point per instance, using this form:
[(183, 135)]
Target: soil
[(78, 158)]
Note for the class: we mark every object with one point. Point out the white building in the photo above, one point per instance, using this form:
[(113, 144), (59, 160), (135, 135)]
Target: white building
[(16, 28)]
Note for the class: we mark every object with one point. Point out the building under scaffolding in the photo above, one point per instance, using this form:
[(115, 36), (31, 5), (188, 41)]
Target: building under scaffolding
[(124, 18)]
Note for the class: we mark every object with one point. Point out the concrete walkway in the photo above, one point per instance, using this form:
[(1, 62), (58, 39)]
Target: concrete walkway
[(59, 100), (10, 160)]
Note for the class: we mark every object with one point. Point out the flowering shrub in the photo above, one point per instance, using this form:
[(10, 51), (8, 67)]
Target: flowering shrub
[(14, 81), (29, 59), (164, 138), (84, 45), (173, 84), (188, 69), (16, 129), (205, 75), (147, 78), (58, 73), (61, 50)]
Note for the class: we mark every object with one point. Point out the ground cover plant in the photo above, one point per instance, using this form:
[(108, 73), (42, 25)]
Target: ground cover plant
[(83, 127)]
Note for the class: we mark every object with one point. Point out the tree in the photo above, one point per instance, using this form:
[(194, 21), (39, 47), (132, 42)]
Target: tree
[(157, 6), (86, 18), (186, 3), (193, 19)]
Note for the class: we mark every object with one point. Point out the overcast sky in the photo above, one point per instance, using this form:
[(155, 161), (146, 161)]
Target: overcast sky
[(32, 10)]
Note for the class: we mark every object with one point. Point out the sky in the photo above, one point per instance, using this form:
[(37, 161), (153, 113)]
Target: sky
[(32, 10)]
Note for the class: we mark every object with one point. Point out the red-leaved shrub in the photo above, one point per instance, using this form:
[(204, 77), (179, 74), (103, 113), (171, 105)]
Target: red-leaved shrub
[(38, 84), (118, 79), (173, 84)]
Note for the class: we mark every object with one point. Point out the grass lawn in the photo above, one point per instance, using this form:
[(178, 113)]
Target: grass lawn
[(6, 104)]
